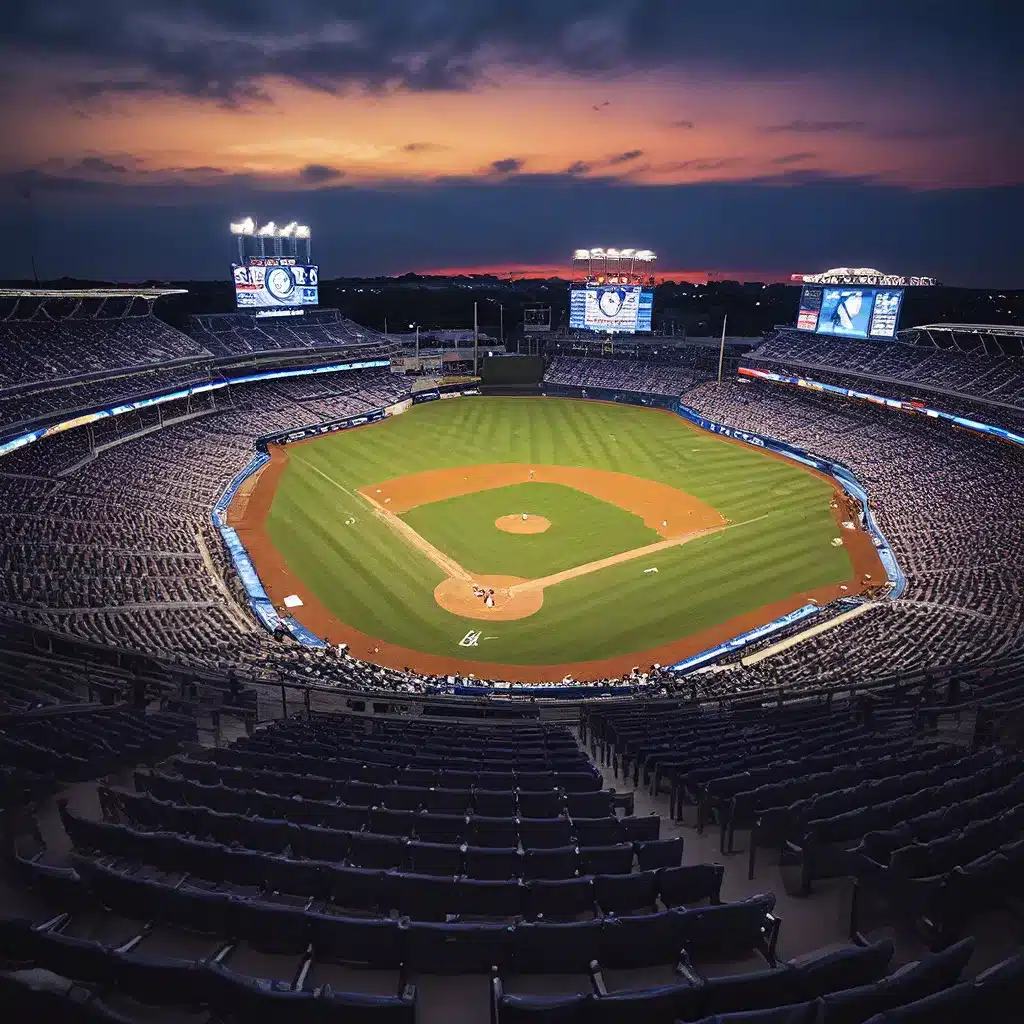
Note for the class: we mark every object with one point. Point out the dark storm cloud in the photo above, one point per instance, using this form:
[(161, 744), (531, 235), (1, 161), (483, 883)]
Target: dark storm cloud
[(319, 174), (224, 49), (705, 163), (576, 168), (625, 158), (510, 165), (97, 165), (802, 127), (794, 158)]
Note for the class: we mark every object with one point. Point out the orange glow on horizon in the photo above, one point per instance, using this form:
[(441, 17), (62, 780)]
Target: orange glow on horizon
[(521, 271)]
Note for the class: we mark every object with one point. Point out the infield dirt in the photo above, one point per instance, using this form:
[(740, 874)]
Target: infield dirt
[(249, 516)]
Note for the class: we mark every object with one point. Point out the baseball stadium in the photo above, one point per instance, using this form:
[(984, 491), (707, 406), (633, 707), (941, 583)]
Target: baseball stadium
[(587, 674)]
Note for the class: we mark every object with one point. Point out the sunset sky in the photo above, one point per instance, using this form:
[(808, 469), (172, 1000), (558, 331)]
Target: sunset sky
[(434, 134)]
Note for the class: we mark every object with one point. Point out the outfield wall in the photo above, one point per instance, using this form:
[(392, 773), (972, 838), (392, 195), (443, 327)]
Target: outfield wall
[(611, 395)]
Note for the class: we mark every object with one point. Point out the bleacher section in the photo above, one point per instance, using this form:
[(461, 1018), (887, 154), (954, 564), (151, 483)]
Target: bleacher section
[(301, 875), (972, 374)]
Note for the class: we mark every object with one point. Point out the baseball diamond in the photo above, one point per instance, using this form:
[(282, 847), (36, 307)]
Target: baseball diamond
[(399, 535)]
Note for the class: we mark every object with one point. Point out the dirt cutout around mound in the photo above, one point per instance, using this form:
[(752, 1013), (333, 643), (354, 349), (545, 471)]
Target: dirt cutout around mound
[(677, 516), (523, 524)]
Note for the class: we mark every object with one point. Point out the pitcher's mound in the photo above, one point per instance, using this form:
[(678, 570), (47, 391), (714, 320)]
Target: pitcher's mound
[(517, 524), (458, 596)]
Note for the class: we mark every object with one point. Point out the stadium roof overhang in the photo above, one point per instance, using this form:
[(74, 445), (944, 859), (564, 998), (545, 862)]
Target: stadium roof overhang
[(1007, 330), (90, 293)]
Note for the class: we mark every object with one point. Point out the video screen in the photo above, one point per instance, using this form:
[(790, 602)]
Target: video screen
[(810, 307), (886, 313), (625, 308), (261, 287), (850, 311)]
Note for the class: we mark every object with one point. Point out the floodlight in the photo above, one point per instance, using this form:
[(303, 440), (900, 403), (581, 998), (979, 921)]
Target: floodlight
[(267, 230), (245, 227), (288, 230), (302, 231)]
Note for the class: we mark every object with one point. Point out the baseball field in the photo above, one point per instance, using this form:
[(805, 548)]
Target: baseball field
[(533, 537)]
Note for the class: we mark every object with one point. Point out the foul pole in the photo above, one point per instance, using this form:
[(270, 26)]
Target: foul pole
[(476, 342), (721, 348)]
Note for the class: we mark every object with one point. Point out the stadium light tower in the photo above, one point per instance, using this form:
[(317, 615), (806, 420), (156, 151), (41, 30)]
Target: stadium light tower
[(242, 231)]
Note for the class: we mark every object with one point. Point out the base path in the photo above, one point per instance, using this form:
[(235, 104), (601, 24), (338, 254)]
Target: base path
[(249, 516), (669, 512), (677, 516)]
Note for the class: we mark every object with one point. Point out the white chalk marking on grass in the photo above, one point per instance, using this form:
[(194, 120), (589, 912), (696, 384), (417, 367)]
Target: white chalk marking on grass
[(653, 568), (330, 480)]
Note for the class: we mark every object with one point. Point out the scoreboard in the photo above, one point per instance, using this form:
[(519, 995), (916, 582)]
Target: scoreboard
[(275, 283), (849, 311)]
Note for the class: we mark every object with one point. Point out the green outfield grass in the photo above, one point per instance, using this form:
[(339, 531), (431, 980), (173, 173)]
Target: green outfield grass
[(779, 544), (583, 529)]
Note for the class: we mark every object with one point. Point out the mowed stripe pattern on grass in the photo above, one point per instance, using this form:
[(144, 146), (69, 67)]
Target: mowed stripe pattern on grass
[(583, 529), (376, 583)]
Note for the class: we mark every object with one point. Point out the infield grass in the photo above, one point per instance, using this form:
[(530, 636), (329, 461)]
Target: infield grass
[(778, 545), (583, 529)]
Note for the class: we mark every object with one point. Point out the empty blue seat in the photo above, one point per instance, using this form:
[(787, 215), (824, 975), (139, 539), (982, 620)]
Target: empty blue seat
[(543, 833), (564, 899), (642, 941), (693, 883), (625, 894), (589, 805), (434, 858), (375, 942), (441, 828), (659, 853), (498, 864), (597, 831), (354, 888), (496, 803), (421, 897), (402, 798), (493, 831), (557, 863), (482, 898), (638, 830), (606, 860), (376, 851), (449, 801), (544, 804), (547, 947), (391, 823), (456, 948)]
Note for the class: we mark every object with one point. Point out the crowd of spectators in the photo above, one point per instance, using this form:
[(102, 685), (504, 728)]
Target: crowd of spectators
[(234, 334), (89, 340), (623, 375), (994, 378)]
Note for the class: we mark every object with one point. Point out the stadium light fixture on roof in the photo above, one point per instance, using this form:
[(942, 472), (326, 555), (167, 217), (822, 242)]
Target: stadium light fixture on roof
[(267, 230), (245, 227), (597, 252), (288, 230), (302, 231)]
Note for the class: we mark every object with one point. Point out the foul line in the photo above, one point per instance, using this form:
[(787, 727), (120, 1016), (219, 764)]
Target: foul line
[(445, 563), (623, 556)]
